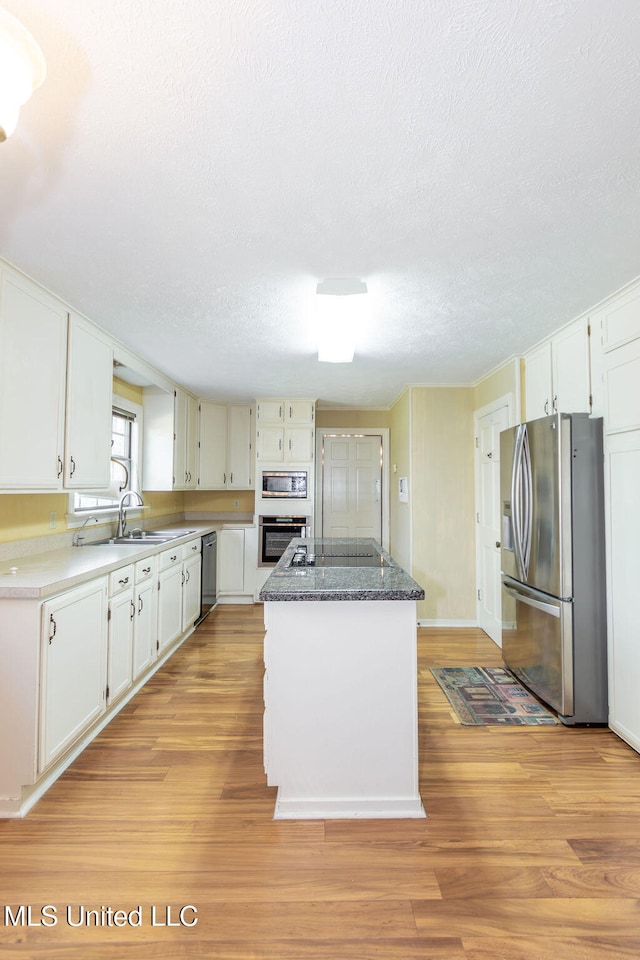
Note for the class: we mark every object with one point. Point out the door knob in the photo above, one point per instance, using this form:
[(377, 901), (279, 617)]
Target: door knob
[(498, 544)]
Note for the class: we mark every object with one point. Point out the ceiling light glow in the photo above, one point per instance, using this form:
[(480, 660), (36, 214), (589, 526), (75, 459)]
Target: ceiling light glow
[(22, 70), (340, 317)]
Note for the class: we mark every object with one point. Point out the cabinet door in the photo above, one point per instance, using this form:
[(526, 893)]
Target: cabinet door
[(191, 456), (33, 337), (213, 446), (145, 633), (571, 376), (179, 440), (240, 460), (73, 666), (120, 645), (231, 565), (89, 401), (622, 473), (270, 411), (299, 411), (169, 606), (270, 444), (538, 389), (299, 444), (191, 591)]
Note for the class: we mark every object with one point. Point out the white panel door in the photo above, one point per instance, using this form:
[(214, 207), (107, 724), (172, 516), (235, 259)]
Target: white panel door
[(489, 607), (352, 486)]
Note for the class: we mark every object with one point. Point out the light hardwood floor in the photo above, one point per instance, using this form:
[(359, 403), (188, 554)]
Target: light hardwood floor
[(531, 848)]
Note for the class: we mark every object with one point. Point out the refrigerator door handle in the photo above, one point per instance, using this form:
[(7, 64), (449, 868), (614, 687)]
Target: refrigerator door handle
[(537, 604), (527, 489), (516, 499)]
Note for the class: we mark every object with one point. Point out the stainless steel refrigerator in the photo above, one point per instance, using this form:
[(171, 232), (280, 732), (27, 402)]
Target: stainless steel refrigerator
[(553, 567)]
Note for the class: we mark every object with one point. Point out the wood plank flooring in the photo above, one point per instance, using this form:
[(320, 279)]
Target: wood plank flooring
[(531, 848)]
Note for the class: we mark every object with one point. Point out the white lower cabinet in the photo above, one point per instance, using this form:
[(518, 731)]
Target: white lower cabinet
[(72, 680), (169, 597), (179, 591), (120, 633), (192, 567), (145, 625), (69, 663)]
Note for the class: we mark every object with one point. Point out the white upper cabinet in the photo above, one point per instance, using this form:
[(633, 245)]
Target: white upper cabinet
[(169, 449), (56, 375), (240, 448), (285, 411), (89, 402), (557, 376), (185, 469), (226, 446), (285, 431), (33, 339), (212, 470)]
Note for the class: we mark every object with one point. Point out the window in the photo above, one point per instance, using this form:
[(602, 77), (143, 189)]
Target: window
[(126, 421)]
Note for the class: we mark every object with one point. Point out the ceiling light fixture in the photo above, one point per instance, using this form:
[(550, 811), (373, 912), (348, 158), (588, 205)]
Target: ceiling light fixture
[(22, 70), (340, 311)]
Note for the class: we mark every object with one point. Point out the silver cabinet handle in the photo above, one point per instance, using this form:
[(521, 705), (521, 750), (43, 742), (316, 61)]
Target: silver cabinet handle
[(133, 610), (73, 466), (140, 604), (124, 581), (60, 465), (53, 624), (146, 570)]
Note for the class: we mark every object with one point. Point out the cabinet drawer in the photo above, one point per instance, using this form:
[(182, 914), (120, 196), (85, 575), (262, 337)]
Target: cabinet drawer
[(170, 557), (145, 569), (191, 548), (121, 579)]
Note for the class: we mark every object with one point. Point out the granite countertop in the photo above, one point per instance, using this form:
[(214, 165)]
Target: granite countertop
[(47, 573), (349, 582)]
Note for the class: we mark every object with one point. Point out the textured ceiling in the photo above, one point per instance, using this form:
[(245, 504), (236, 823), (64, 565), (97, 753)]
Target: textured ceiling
[(192, 168)]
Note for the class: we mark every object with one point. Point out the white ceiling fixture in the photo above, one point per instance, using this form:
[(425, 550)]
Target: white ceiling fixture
[(22, 70), (340, 316)]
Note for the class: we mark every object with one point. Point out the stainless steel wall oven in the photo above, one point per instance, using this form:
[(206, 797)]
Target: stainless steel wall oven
[(275, 535)]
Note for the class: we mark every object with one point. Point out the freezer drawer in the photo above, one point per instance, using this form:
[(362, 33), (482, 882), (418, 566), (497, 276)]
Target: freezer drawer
[(537, 643)]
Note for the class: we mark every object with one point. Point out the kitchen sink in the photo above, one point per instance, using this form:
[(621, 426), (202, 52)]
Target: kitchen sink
[(145, 536)]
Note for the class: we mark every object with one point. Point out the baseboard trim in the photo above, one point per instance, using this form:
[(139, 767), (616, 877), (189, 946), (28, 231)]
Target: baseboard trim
[(447, 623)]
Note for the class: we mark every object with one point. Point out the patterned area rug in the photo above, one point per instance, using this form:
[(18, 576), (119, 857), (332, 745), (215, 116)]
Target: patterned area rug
[(490, 695)]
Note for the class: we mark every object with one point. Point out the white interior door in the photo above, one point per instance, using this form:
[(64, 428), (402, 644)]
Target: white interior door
[(351, 486), (489, 607)]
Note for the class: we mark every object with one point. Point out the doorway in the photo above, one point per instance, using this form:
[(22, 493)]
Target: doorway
[(352, 484), (488, 422)]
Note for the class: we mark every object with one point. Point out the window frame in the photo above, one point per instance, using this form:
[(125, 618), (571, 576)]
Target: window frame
[(76, 517)]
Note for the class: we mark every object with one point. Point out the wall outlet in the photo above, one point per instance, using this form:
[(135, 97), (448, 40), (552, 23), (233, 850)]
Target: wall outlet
[(53, 522), (236, 504)]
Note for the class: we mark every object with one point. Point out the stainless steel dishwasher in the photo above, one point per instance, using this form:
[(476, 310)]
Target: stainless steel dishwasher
[(209, 589)]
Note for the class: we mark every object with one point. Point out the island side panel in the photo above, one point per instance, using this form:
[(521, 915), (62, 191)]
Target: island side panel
[(341, 734)]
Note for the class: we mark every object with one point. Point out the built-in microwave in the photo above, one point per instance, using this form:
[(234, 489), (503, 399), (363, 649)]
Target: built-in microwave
[(290, 484)]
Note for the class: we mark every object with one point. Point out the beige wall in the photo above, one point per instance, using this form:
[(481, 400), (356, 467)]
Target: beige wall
[(352, 418), (400, 466), (506, 379), (442, 495), (215, 501)]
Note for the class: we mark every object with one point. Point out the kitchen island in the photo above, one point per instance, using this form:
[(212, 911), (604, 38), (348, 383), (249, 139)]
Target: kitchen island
[(340, 686)]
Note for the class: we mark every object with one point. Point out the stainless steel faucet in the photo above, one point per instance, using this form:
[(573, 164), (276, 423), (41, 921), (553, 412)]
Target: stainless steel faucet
[(78, 539), (122, 516)]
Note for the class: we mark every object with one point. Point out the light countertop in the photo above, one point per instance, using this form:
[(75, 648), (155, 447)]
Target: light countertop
[(47, 573)]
